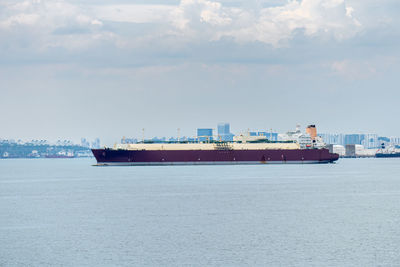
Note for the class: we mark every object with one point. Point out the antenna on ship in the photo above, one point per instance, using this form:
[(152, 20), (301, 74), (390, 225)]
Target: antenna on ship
[(178, 133), (143, 135)]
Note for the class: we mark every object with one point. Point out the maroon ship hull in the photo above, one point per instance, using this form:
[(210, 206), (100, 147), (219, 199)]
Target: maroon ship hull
[(198, 157)]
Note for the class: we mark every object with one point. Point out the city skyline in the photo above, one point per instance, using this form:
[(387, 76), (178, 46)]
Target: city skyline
[(188, 133), (350, 145), (213, 133)]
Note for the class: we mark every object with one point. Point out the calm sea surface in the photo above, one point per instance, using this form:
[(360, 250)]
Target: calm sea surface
[(65, 212)]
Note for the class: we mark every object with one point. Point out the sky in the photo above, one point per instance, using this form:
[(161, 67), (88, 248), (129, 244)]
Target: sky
[(107, 69)]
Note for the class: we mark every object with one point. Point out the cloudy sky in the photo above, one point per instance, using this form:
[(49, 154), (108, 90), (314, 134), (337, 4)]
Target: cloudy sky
[(108, 68)]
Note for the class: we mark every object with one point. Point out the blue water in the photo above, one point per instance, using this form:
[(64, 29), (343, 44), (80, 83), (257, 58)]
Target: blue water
[(65, 212)]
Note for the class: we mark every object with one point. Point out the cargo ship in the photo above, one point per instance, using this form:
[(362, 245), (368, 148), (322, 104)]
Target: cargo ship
[(243, 150), (389, 152), (387, 155)]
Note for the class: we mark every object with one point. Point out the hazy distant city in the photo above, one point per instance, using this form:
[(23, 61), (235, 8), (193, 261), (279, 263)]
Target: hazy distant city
[(350, 145), (45, 149)]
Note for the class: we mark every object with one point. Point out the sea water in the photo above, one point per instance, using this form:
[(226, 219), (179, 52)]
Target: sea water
[(66, 212)]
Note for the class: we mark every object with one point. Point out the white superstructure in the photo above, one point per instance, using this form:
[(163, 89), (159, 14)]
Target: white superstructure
[(303, 139), (209, 146)]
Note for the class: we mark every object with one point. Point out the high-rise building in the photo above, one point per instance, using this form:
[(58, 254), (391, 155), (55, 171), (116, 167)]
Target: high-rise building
[(85, 143), (223, 128), (333, 139), (224, 133), (395, 140), (367, 140), (96, 143), (353, 139), (370, 141), (204, 134)]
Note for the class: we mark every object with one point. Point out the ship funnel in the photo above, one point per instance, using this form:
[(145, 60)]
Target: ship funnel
[(312, 131)]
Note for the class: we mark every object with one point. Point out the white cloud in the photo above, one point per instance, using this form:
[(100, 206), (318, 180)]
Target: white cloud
[(133, 13), (272, 25), (190, 21), (359, 69), (192, 12), (20, 19), (44, 23), (355, 69)]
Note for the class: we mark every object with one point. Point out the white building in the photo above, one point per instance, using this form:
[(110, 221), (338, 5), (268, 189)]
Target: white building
[(395, 141), (333, 139), (339, 149), (370, 141)]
